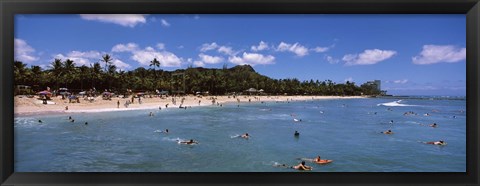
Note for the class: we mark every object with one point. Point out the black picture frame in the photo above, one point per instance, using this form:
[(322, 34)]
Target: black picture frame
[(8, 8)]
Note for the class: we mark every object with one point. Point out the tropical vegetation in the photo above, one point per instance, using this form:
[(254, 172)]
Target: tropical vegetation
[(190, 80)]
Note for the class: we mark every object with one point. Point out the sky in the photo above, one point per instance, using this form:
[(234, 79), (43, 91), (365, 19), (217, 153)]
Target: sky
[(410, 54)]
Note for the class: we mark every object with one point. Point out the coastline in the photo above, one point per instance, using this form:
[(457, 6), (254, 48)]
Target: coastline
[(25, 106)]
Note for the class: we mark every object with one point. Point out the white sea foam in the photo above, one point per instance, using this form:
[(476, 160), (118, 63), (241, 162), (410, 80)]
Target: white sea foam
[(235, 136), (395, 104), (173, 139)]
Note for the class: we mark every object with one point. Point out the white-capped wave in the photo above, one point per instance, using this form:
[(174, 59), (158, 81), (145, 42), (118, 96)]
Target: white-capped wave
[(395, 104), (27, 122)]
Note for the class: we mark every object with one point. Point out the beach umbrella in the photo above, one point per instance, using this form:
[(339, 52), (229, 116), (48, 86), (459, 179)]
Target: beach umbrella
[(44, 92)]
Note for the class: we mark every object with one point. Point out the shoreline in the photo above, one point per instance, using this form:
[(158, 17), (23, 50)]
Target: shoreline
[(24, 106)]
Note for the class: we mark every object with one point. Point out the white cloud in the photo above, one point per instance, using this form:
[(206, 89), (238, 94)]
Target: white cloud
[(161, 46), (320, 49), (80, 58), (252, 59), (127, 20), (144, 56), (226, 50), (261, 46), (349, 79), (206, 46), (199, 63), (331, 60), (120, 64), (432, 54), (130, 47), (24, 52), (165, 23), (368, 57), (402, 81), (210, 59), (180, 47), (296, 48), (167, 59)]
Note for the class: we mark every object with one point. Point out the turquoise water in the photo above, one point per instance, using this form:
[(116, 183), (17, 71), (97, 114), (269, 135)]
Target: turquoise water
[(346, 131)]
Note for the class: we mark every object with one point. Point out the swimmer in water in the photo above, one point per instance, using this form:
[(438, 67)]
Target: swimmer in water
[(246, 136), (86, 123), (297, 120), (302, 166), (391, 122), (72, 120), (434, 125), (387, 132), (190, 142), (69, 117), (40, 121), (440, 142), (296, 134)]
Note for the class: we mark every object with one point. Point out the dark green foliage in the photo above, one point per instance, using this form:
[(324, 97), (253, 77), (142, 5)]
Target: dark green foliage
[(191, 80)]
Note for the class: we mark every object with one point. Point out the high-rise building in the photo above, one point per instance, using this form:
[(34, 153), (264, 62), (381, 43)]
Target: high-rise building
[(376, 84)]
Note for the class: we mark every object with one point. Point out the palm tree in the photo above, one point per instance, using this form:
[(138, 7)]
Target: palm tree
[(155, 63), (107, 59), (96, 73), (84, 71), (69, 70), (19, 72), (57, 71), (112, 69)]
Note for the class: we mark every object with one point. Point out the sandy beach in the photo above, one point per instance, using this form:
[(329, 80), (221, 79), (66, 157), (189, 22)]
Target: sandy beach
[(25, 105)]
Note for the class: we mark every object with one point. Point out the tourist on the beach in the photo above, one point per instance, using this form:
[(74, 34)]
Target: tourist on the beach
[(199, 102), (302, 166), (440, 142), (433, 125), (166, 106), (118, 104), (246, 136), (159, 107), (296, 134), (387, 132), (190, 142), (66, 107)]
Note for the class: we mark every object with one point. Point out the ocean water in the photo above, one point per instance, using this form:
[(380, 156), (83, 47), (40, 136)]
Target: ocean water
[(346, 131)]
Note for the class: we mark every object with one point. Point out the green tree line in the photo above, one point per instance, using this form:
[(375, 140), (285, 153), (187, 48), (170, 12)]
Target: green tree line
[(190, 80)]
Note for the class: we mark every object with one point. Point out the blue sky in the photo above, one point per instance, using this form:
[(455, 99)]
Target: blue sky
[(410, 54)]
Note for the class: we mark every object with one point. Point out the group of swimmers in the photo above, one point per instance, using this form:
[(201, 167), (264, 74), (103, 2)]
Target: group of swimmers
[(433, 125), (302, 166)]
